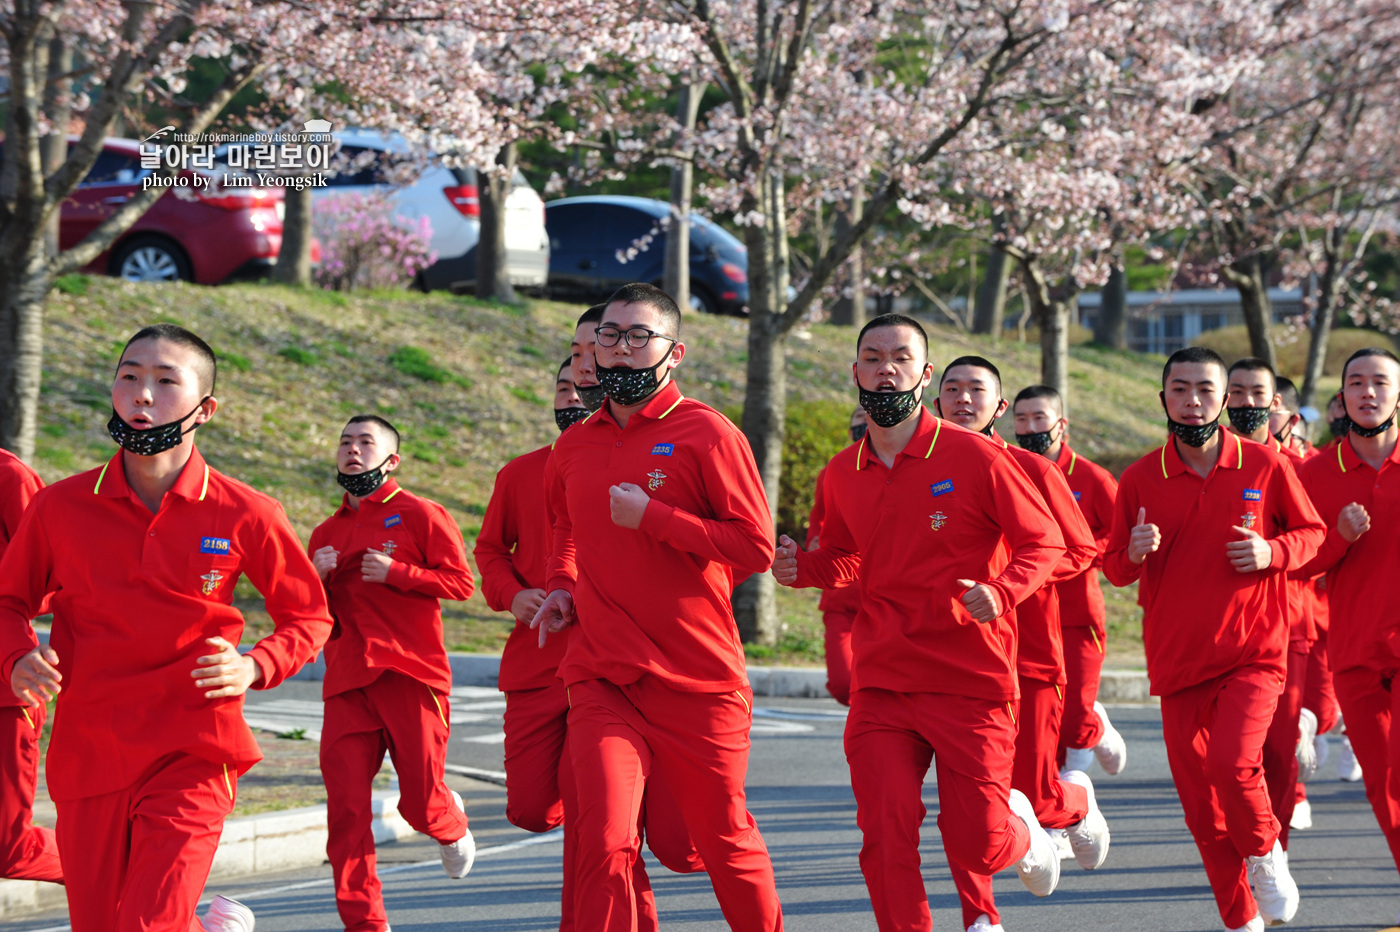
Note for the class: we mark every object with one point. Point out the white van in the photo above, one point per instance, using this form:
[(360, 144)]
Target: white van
[(448, 197)]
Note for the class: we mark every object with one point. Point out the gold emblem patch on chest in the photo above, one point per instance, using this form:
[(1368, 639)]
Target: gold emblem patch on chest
[(656, 479), (937, 520), (211, 582), (388, 548), (1248, 519)]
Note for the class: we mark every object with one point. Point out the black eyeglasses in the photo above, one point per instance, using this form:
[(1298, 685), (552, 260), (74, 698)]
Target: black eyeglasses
[(637, 337)]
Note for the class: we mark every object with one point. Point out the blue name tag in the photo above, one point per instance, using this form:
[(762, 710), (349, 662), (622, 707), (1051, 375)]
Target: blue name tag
[(393, 521), (214, 545), (1253, 495), (1076, 495), (663, 449), (941, 488)]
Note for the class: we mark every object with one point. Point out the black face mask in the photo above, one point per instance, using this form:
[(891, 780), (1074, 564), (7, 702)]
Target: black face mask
[(592, 397), (889, 408), (360, 484), (1339, 426), (629, 387), (153, 440), (1376, 431), (857, 432), (1282, 437), (1247, 420), (1037, 443), (568, 417)]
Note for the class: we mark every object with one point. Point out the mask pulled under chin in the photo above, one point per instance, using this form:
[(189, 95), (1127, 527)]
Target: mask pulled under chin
[(1038, 442), (1247, 420), (152, 440), (564, 418), (592, 397), (629, 387), (360, 484), (1376, 431), (886, 409)]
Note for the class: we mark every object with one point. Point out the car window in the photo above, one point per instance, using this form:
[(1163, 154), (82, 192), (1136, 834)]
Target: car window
[(571, 229), (625, 229), (113, 168), (358, 165)]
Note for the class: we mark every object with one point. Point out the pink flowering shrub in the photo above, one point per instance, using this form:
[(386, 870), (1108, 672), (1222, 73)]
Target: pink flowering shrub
[(364, 245)]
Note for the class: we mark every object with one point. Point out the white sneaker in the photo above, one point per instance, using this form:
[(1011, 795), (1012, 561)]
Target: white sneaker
[(984, 923), (1348, 767), (1306, 751), (1060, 839), (1254, 925), (458, 856), (1089, 837), (1112, 750), (1322, 748), (226, 915), (1039, 869), (1274, 889), (1078, 759), (1302, 816)]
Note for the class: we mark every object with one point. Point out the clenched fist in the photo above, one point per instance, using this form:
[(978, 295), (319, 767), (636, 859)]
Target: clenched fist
[(785, 561)]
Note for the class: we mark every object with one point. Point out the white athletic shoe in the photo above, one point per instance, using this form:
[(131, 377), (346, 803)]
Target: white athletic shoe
[(1040, 868), (1060, 839), (458, 856), (1089, 837), (1078, 759), (1302, 816), (1306, 751), (1254, 925), (984, 923), (226, 915), (1112, 750), (1348, 767), (1274, 889), (1322, 748)]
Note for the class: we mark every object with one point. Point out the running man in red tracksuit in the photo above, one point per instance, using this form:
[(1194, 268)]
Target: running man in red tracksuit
[(1356, 486), (27, 851), (1086, 734), (838, 606), (141, 556), (970, 396), (946, 535), (656, 503), (386, 558), (1209, 525)]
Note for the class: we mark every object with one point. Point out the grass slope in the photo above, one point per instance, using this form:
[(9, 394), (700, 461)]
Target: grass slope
[(469, 384)]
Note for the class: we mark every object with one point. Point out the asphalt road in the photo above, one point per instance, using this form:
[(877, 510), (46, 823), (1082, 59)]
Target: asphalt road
[(800, 794)]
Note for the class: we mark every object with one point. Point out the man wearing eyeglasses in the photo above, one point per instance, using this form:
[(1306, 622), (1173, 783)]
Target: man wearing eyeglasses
[(657, 504)]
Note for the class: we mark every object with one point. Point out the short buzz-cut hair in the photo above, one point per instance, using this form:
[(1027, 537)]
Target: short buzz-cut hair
[(1364, 352), (979, 362), (1288, 394), (379, 422), (559, 375), (1252, 364), (594, 315), (894, 320), (206, 367), (1193, 354), (652, 296), (1041, 391)]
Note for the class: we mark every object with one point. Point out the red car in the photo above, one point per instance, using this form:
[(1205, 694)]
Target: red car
[(194, 234)]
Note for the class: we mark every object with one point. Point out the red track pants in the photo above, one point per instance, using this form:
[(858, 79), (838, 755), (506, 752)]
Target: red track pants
[(1318, 693), (27, 852), (404, 717), (541, 794), (891, 738), (838, 654), (1035, 773), (136, 860), (618, 737), (1281, 744), (1214, 734), (1371, 708), (1080, 726)]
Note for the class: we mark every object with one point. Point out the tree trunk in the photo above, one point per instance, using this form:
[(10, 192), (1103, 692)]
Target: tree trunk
[(22, 292), (294, 259), (1051, 307), (989, 313), (849, 310), (1247, 275), (677, 280), (765, 397), (492, 275), (1329, 291), (58, 104), (1111, 327)]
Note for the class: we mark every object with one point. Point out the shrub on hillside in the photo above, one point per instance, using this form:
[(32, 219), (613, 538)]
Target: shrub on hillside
[(816, 431), (364, 245)]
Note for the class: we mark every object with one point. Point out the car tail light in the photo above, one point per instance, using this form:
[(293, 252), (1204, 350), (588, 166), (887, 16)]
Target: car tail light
[(464, 198), (729, 296), (734, 273)]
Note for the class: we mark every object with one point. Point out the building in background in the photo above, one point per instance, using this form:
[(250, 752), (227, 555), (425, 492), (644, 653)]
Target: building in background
[(1164, 322)]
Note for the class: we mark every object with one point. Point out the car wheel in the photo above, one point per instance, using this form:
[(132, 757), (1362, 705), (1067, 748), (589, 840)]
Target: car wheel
[(701, 301), (151, 259)]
